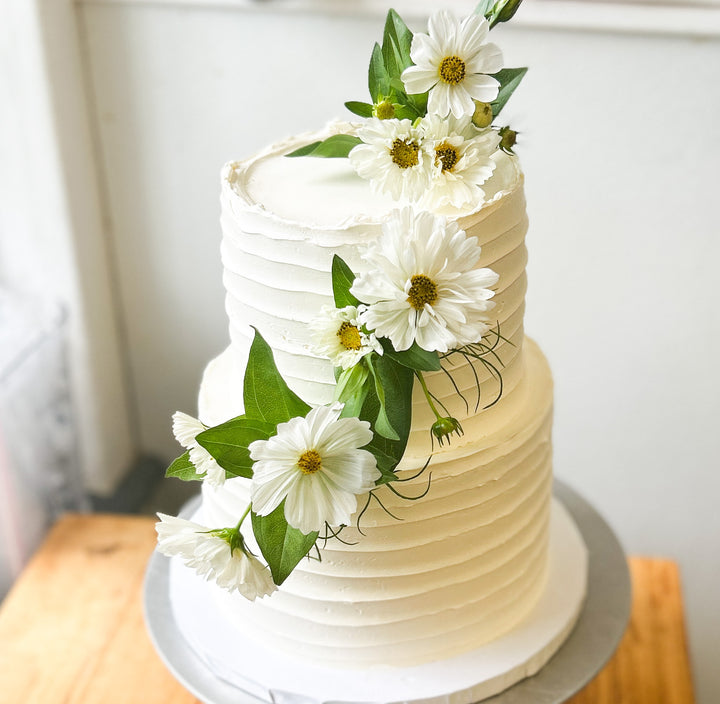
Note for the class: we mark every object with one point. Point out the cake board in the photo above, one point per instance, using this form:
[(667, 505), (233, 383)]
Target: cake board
[(597, 632)]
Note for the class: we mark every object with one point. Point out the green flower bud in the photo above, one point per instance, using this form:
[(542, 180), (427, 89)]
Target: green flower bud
[(443, 428), (384, 110), (508, 138), (232, 536), (506, 11), (483, 115)]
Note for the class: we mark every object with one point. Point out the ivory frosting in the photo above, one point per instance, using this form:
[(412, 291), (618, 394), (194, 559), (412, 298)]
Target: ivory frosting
[(466, 563)]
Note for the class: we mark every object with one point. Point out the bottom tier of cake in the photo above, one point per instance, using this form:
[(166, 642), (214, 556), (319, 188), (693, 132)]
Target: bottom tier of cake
[(460, 568), (229, 664)]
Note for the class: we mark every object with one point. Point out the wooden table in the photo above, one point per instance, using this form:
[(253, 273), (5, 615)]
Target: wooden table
[(72, 629)]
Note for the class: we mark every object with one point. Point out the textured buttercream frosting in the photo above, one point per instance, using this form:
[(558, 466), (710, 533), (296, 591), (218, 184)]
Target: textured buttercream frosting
[(467, 562)]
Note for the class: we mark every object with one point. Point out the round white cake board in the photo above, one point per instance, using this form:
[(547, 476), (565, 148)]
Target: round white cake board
[(245, 667)]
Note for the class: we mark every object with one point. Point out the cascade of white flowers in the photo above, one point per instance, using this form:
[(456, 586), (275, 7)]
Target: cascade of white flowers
[(428, 142)]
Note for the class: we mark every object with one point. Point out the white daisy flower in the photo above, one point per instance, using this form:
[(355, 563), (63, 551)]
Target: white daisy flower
[(392, 158), (186, 429), (210, 555), (452, 62), (421, 285), (339, 337), (461, 161), (315, 465)]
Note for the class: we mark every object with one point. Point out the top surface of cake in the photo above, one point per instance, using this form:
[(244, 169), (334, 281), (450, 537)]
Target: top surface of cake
[(328, 193)]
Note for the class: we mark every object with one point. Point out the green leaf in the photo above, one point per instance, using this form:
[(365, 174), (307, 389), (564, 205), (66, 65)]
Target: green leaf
[(419, 102), (397, 87), (352, 389), (358, 108), (386, 475), (307, 150), (336, 147), (397, 39), (509, 79), (281, 545), (414, 358), (399, 33), (406, 112), (353, 406), (183, 468), (342, 280), (267, 397), (395, 55), (383, 424), (393, 61), (397, 382), (228, 443), (378, 79)]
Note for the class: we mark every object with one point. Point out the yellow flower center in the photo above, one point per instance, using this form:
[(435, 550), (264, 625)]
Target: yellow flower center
[(349, 336), (452, 70), (404, 153), (447, 156), (385, 110), (310, 462), (422, 290)]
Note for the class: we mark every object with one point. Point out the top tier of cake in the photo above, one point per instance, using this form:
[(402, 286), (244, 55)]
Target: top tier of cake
[(284, 218)]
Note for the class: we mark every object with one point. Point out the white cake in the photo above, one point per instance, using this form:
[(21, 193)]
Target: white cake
[(466, 563)]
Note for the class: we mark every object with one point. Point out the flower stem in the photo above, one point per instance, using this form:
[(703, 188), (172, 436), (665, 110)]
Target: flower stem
[(433, 408), (243, 517)]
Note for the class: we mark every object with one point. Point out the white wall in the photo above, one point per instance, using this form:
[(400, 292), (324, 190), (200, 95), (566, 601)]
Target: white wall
[(620, 145), (53, 243)]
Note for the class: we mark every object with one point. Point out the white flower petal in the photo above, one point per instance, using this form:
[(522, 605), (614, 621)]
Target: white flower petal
[(186, 428), (461, 102), (443, 29), (269, 490), (360, 479), (439, 99), (423, 49), (473, 30), (488, 60), (205, 464), (346, 432), (322, 421), (418, 79), (481, 87), (177, 536)]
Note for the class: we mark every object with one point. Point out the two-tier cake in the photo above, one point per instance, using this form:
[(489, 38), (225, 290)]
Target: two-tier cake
[(376, 440)]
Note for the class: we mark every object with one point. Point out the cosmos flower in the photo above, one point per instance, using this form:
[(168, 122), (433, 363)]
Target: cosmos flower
[(421, 285), (453, 62), (218, 555), (315, 465)]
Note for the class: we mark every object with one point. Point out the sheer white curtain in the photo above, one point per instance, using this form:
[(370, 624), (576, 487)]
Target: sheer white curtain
[(39, 476)]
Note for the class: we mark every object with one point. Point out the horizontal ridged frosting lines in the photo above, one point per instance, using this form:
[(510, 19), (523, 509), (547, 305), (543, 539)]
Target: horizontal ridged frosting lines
[(462, 566), (467, 562), (277, 274)]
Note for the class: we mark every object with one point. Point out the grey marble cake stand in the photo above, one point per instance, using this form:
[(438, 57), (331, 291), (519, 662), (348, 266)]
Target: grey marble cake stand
[(590, 645)]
